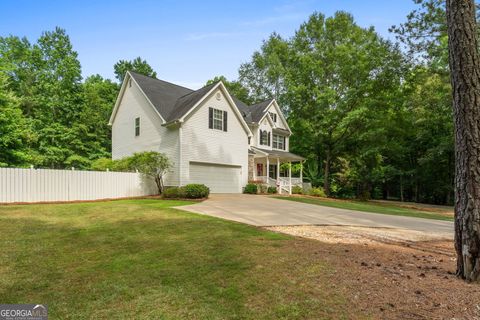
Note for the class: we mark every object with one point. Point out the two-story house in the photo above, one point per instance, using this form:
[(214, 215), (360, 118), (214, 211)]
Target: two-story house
[(210, 136)]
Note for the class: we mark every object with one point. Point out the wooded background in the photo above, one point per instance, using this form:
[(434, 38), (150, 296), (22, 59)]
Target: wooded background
[(373, 117)]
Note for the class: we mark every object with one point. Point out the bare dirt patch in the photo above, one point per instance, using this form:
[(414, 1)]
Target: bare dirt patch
[(356, 235), (389, 278)]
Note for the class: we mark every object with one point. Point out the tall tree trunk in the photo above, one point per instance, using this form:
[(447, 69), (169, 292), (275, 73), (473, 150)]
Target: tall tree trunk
[(401, 188), (465, 76), (326, 173)]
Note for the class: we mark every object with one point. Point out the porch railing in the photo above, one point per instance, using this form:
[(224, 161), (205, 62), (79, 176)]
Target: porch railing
[(283, 181)]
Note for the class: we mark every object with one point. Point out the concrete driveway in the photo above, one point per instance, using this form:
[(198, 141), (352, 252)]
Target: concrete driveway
[(266, 211)]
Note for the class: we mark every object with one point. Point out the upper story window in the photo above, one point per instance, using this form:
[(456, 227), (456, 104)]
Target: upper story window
[(273, 116), (137, 127), (264, 138), (278, 142), (217, 119)]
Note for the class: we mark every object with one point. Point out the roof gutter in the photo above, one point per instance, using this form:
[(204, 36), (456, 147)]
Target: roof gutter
[(172, 122)]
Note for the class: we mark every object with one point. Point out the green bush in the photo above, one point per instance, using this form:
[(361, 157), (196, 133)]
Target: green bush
[(174, 193), (317, 192), (272, 190), (102, 164), (297, 190), (250, 188), (263, 188), (196, 191)]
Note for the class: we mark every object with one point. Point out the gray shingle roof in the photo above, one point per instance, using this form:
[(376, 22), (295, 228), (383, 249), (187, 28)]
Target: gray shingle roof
[(163, 95), (281, 154), (244, 109), (173, 101), (258, 110), (186, 102)]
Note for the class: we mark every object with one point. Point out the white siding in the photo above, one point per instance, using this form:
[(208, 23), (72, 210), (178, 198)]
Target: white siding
[(279, 123), (201, 144), (44, 185), (153, 136)]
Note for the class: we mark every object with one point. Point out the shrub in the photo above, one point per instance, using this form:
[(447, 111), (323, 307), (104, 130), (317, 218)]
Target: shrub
[(263, 188), (251, 188), (196, 191), (174, 193), (272, 190), (102, 164), (317, 192), (297, 190)]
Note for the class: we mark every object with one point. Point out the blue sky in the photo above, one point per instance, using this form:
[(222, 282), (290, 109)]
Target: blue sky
[(185, 42)]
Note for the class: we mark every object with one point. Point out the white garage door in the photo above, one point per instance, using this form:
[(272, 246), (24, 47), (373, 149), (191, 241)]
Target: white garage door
[(219, 178)]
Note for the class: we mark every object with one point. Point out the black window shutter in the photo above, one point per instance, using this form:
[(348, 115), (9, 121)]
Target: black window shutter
[(224, 120), (268, 143), (284, 146), (261, 137), (210, 118)]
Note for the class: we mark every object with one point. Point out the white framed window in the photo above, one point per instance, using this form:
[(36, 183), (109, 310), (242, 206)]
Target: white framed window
[(137, 127), (217, 119), (278, 142), (264, 138)]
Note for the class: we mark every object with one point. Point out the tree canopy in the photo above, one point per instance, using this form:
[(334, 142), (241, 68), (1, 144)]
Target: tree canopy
[(373, 120), (50, 117), (235, 88), (137, 65)]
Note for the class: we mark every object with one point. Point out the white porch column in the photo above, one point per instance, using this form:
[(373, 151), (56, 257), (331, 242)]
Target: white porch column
[(268, 171), (290, 177), (278, 177)]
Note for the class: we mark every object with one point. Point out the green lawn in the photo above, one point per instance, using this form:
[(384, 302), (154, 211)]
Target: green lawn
[(370, 207), (142, 259)]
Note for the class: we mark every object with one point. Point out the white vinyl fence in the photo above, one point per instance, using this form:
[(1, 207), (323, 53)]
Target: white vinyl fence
[(43, 185)]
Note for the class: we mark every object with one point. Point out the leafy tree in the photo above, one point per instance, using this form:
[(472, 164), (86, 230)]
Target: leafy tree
[(331, 76), (235, 88), (264, 76), (152, 165), (68, 118), (14, 129), (98, 95), (137, 65), (425, 31)]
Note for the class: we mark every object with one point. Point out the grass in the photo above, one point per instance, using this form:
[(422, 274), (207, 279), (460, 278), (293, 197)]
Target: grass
[(371, 207), (144, 259)]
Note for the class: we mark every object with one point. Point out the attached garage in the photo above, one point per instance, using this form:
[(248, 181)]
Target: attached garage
[(219, 178)]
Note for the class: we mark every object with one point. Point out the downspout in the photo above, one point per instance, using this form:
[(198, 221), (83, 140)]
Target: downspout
[(180, 162)]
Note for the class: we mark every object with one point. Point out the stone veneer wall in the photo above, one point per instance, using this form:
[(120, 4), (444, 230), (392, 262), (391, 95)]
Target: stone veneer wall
[(250, 167)]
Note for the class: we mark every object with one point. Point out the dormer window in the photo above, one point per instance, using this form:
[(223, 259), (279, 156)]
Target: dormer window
[(273, 116)]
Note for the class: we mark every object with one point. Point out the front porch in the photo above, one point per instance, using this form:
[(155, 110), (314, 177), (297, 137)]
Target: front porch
[(268, 167)]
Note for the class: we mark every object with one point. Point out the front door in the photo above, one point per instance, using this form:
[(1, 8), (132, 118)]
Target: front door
[(259, 170), (272, 171)]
